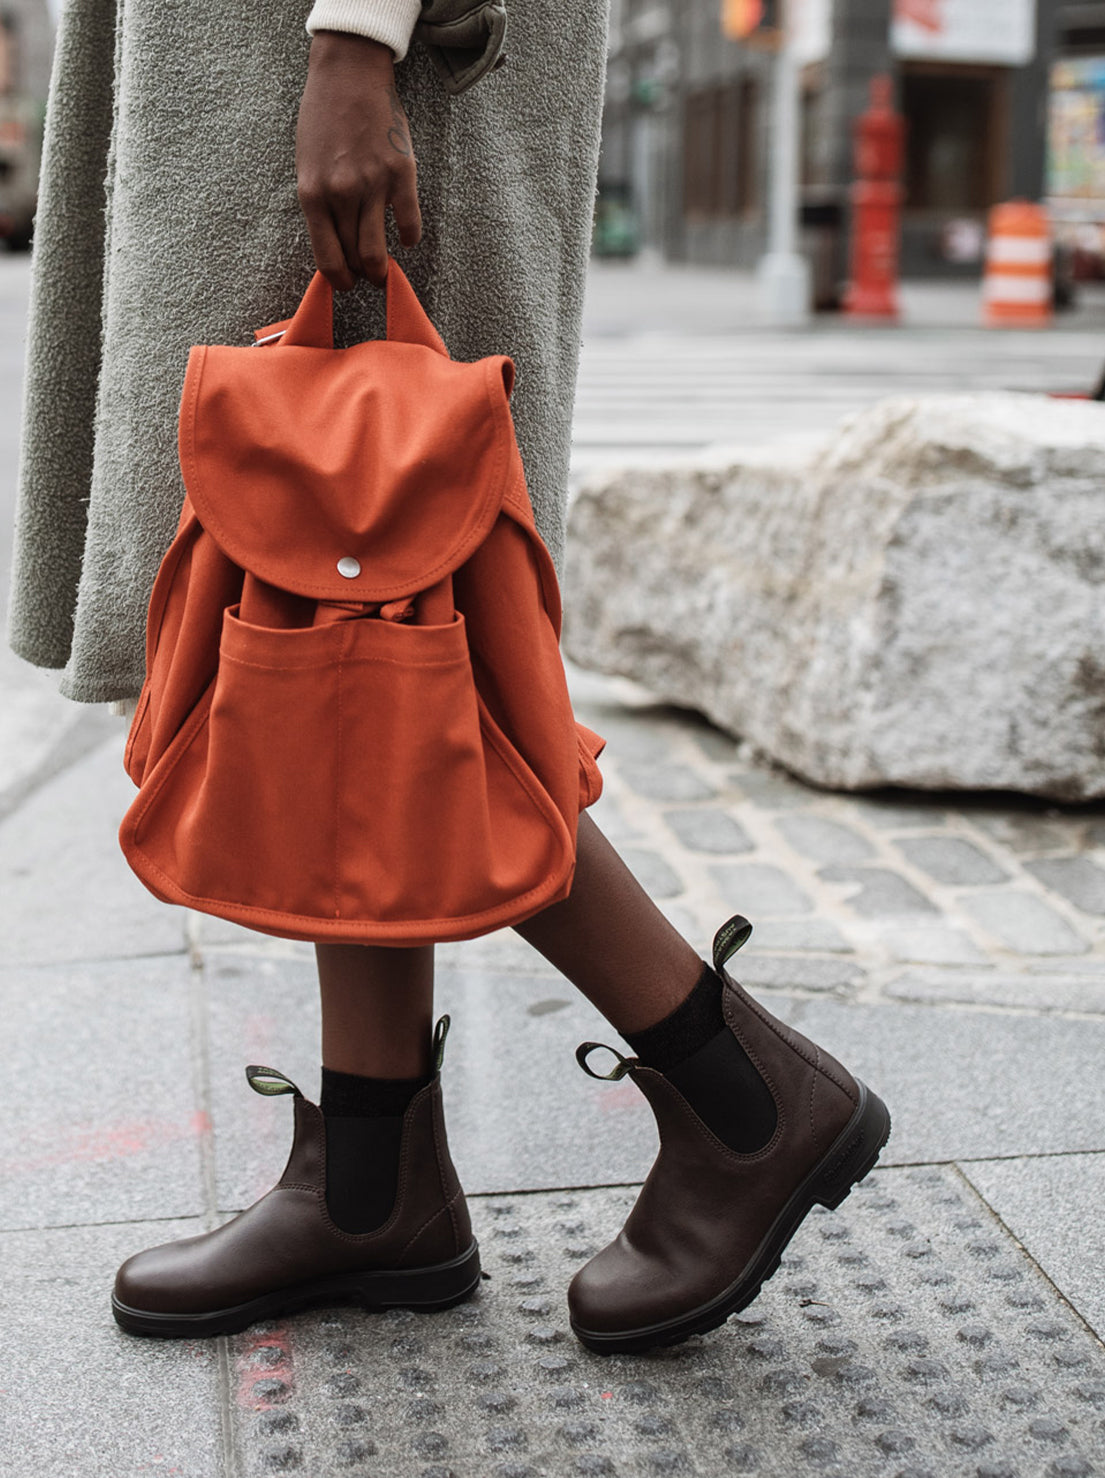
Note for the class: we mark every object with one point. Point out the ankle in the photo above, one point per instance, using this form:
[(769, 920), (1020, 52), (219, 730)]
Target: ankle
[(364, 1140), (696, 1019), (704, 1061), (356, 1096)]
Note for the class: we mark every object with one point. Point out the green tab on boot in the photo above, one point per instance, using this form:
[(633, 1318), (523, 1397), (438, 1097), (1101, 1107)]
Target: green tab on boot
[(622, 1066), (437, 1049), (729, 938), (270, 1083)]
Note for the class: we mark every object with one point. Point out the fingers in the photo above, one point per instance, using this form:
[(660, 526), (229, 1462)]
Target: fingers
[(348, 198), (372, 249), (404, 207), (346, 224), (326, 244)]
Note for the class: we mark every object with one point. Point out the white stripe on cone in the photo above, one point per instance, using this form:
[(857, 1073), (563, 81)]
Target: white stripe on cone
[(1000, 288), (1019, 251)]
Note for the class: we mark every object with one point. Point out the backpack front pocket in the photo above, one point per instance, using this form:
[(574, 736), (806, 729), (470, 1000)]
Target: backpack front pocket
[(348, 783)]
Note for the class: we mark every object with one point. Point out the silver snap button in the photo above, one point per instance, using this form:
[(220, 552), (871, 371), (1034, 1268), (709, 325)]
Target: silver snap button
[(349, 567)]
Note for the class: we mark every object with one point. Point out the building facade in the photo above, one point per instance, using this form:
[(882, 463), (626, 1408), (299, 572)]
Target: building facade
[(26, 51), (687, 130), (26, 47)]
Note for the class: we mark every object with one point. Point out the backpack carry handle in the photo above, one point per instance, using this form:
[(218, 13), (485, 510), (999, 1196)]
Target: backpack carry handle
[(313, 324)]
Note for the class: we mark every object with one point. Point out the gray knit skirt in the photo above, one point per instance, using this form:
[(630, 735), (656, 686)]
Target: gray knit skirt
[(168, 217)]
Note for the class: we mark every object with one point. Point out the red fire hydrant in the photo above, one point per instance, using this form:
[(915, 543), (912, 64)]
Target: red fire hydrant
[(876, 206)]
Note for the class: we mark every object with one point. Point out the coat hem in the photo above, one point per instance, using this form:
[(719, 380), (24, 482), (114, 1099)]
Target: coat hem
[(36, 656), (79, 691)]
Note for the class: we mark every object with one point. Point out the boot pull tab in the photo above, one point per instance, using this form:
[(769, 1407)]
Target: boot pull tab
[(729, 939), (441, 1031), (268, 1082), (583, 1052)]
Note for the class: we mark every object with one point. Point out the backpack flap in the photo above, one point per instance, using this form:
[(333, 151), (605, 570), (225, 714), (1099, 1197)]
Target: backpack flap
[(359, 474)]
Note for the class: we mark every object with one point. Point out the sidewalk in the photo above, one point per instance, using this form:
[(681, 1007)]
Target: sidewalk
[(946, 1321), (647, 295)]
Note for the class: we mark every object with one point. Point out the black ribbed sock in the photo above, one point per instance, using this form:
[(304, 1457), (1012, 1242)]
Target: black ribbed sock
[(702, 1059), (364, 1132)]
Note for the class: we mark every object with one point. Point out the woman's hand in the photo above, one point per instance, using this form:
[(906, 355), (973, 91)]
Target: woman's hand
[(354, 158)]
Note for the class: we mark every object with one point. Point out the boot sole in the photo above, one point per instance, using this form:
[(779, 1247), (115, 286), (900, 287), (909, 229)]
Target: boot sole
[(848, 1160), (424, 1289)]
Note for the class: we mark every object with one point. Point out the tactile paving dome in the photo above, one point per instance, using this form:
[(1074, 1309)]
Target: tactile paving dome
[(905, 1335)]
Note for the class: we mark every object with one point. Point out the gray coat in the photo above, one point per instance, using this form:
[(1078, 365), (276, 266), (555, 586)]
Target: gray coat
[(169, 217)]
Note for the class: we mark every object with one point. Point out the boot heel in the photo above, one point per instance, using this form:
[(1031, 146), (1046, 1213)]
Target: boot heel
[(855, 1152), (424, 1289)]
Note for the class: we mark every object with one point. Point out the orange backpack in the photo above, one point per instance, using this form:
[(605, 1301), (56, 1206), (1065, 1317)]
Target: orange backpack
[(355, 724)]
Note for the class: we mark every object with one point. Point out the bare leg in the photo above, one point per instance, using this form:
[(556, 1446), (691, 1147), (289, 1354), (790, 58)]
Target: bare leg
[(607, 937), (377, 1009), (612, 942)]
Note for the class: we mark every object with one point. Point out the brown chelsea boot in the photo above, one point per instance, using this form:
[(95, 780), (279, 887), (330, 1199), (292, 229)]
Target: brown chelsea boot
[(284, 1253), (710, 1225)]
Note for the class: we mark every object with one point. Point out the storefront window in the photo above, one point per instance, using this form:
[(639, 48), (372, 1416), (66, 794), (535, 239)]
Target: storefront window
[(953, 141), (719, 148)]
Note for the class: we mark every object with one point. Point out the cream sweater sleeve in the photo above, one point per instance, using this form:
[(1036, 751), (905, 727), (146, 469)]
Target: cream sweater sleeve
[(390, 22)]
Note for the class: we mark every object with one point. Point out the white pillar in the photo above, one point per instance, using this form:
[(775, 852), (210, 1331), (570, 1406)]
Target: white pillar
[(784, 273)]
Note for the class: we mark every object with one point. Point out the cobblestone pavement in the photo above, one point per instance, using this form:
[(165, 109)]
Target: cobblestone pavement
[(980, 901)]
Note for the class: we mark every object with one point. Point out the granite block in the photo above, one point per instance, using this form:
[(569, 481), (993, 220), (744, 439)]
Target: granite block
[(632, 739), (889, 813), (1022, 991), (1029, 832), (715, 744), (967, 1084), (824, 841), (1052, 1205), (773, 790), (709, 830), (80, 1396), (656, 877), (1078, 879), (609, 815), (760, 889), (66, 892), (880, 892), (933, 943), (951, 860), (801, 934), (790, 972), (665, 781), (1024, 923), (106, 1124)]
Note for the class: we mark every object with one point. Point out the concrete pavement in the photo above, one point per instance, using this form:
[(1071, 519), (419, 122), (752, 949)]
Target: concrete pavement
[(39, 731), (947, 1321)]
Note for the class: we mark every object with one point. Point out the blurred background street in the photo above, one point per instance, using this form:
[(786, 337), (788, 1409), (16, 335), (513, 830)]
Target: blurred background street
[(677, 360), (916, 595)]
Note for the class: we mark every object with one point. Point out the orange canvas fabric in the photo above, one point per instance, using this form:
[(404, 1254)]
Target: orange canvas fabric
[(355, 724)]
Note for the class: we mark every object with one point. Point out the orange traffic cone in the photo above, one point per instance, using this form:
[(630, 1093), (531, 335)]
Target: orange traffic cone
[(1016, 289)]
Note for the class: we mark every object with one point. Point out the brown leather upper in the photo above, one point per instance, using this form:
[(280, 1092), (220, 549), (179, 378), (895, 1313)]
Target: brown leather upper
[(704, 1209), (288, 1238)]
